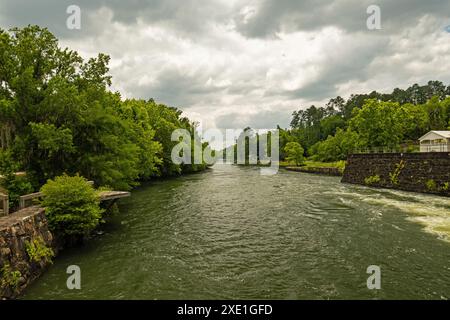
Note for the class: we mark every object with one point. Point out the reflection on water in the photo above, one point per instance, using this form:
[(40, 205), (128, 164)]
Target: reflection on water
[(232, 233)]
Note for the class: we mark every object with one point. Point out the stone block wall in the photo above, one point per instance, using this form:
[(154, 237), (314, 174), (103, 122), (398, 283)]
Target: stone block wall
[(17, 269), (418, 172)]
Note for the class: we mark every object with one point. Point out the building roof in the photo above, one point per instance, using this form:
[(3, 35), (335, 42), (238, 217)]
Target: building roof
[(443, 134)]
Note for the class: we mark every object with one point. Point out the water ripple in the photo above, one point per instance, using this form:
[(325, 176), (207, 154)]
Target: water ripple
[(230, 233)]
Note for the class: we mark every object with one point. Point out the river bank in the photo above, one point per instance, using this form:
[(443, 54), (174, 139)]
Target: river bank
[(24, 237), (324, 168), (27, 245), (329, 171)]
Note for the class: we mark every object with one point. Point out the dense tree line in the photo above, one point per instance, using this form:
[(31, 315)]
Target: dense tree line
[(369, 121), (57, 115), (373, 121)]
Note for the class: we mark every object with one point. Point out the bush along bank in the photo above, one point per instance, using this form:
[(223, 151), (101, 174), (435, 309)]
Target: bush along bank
[(32, 237), (59, 117)]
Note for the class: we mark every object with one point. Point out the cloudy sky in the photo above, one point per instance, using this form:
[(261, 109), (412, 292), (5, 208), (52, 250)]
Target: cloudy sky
[(233, 63)]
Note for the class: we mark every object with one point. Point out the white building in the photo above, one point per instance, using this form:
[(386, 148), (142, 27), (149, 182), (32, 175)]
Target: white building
[(435, 141)]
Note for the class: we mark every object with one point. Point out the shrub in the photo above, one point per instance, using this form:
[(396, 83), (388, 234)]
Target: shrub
[(9, 278), (431, 185), (72, 205), (398, 169), (341, 164), (446, 186), (412, 148), (372, 180), (37, 251)]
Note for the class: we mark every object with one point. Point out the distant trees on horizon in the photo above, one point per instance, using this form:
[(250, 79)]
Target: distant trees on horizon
[(374, 120)]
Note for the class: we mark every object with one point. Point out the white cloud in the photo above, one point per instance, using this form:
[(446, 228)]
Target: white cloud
[(252, 62)]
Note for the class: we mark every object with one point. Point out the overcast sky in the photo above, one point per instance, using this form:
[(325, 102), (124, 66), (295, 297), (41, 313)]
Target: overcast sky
[(233, 63)]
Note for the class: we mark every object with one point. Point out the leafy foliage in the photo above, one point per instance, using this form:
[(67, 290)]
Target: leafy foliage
[(370, 121), (16, 185), (294, 153), (431, 185), (58, 116), (37, 250), (396, 173), (372, 180), (9, 278), (336, 147), (72, 205)]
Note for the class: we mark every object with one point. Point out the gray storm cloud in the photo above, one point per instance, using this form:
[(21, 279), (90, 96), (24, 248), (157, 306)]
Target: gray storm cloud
[(250, 62)]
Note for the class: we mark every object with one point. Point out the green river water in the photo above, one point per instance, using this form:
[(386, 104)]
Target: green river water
[(230, 233)]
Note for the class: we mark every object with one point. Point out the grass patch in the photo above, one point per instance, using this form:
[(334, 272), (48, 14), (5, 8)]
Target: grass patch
[(317, 164), (372, 180)]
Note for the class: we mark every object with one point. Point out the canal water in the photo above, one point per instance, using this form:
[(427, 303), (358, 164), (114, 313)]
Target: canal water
[(231, 233)]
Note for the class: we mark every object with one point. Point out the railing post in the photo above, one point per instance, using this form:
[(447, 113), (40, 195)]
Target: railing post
[(21, 203), (5, 203)]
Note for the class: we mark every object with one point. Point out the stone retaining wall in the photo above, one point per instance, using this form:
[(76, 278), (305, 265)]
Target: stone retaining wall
[(17, 230), (418, 172)]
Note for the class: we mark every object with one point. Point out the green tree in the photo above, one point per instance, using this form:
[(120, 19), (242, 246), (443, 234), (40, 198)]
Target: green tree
[(437, 114), (294, 153), (58, 116), (329, 125), (379, 124), (336, 147), (16, 185)]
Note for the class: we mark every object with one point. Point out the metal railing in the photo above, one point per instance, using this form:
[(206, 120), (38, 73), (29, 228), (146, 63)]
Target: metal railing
[(441, 147), (437, 147), (398, 149)]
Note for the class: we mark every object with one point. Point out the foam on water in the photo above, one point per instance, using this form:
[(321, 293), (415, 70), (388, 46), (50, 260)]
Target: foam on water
[(432, 212)]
